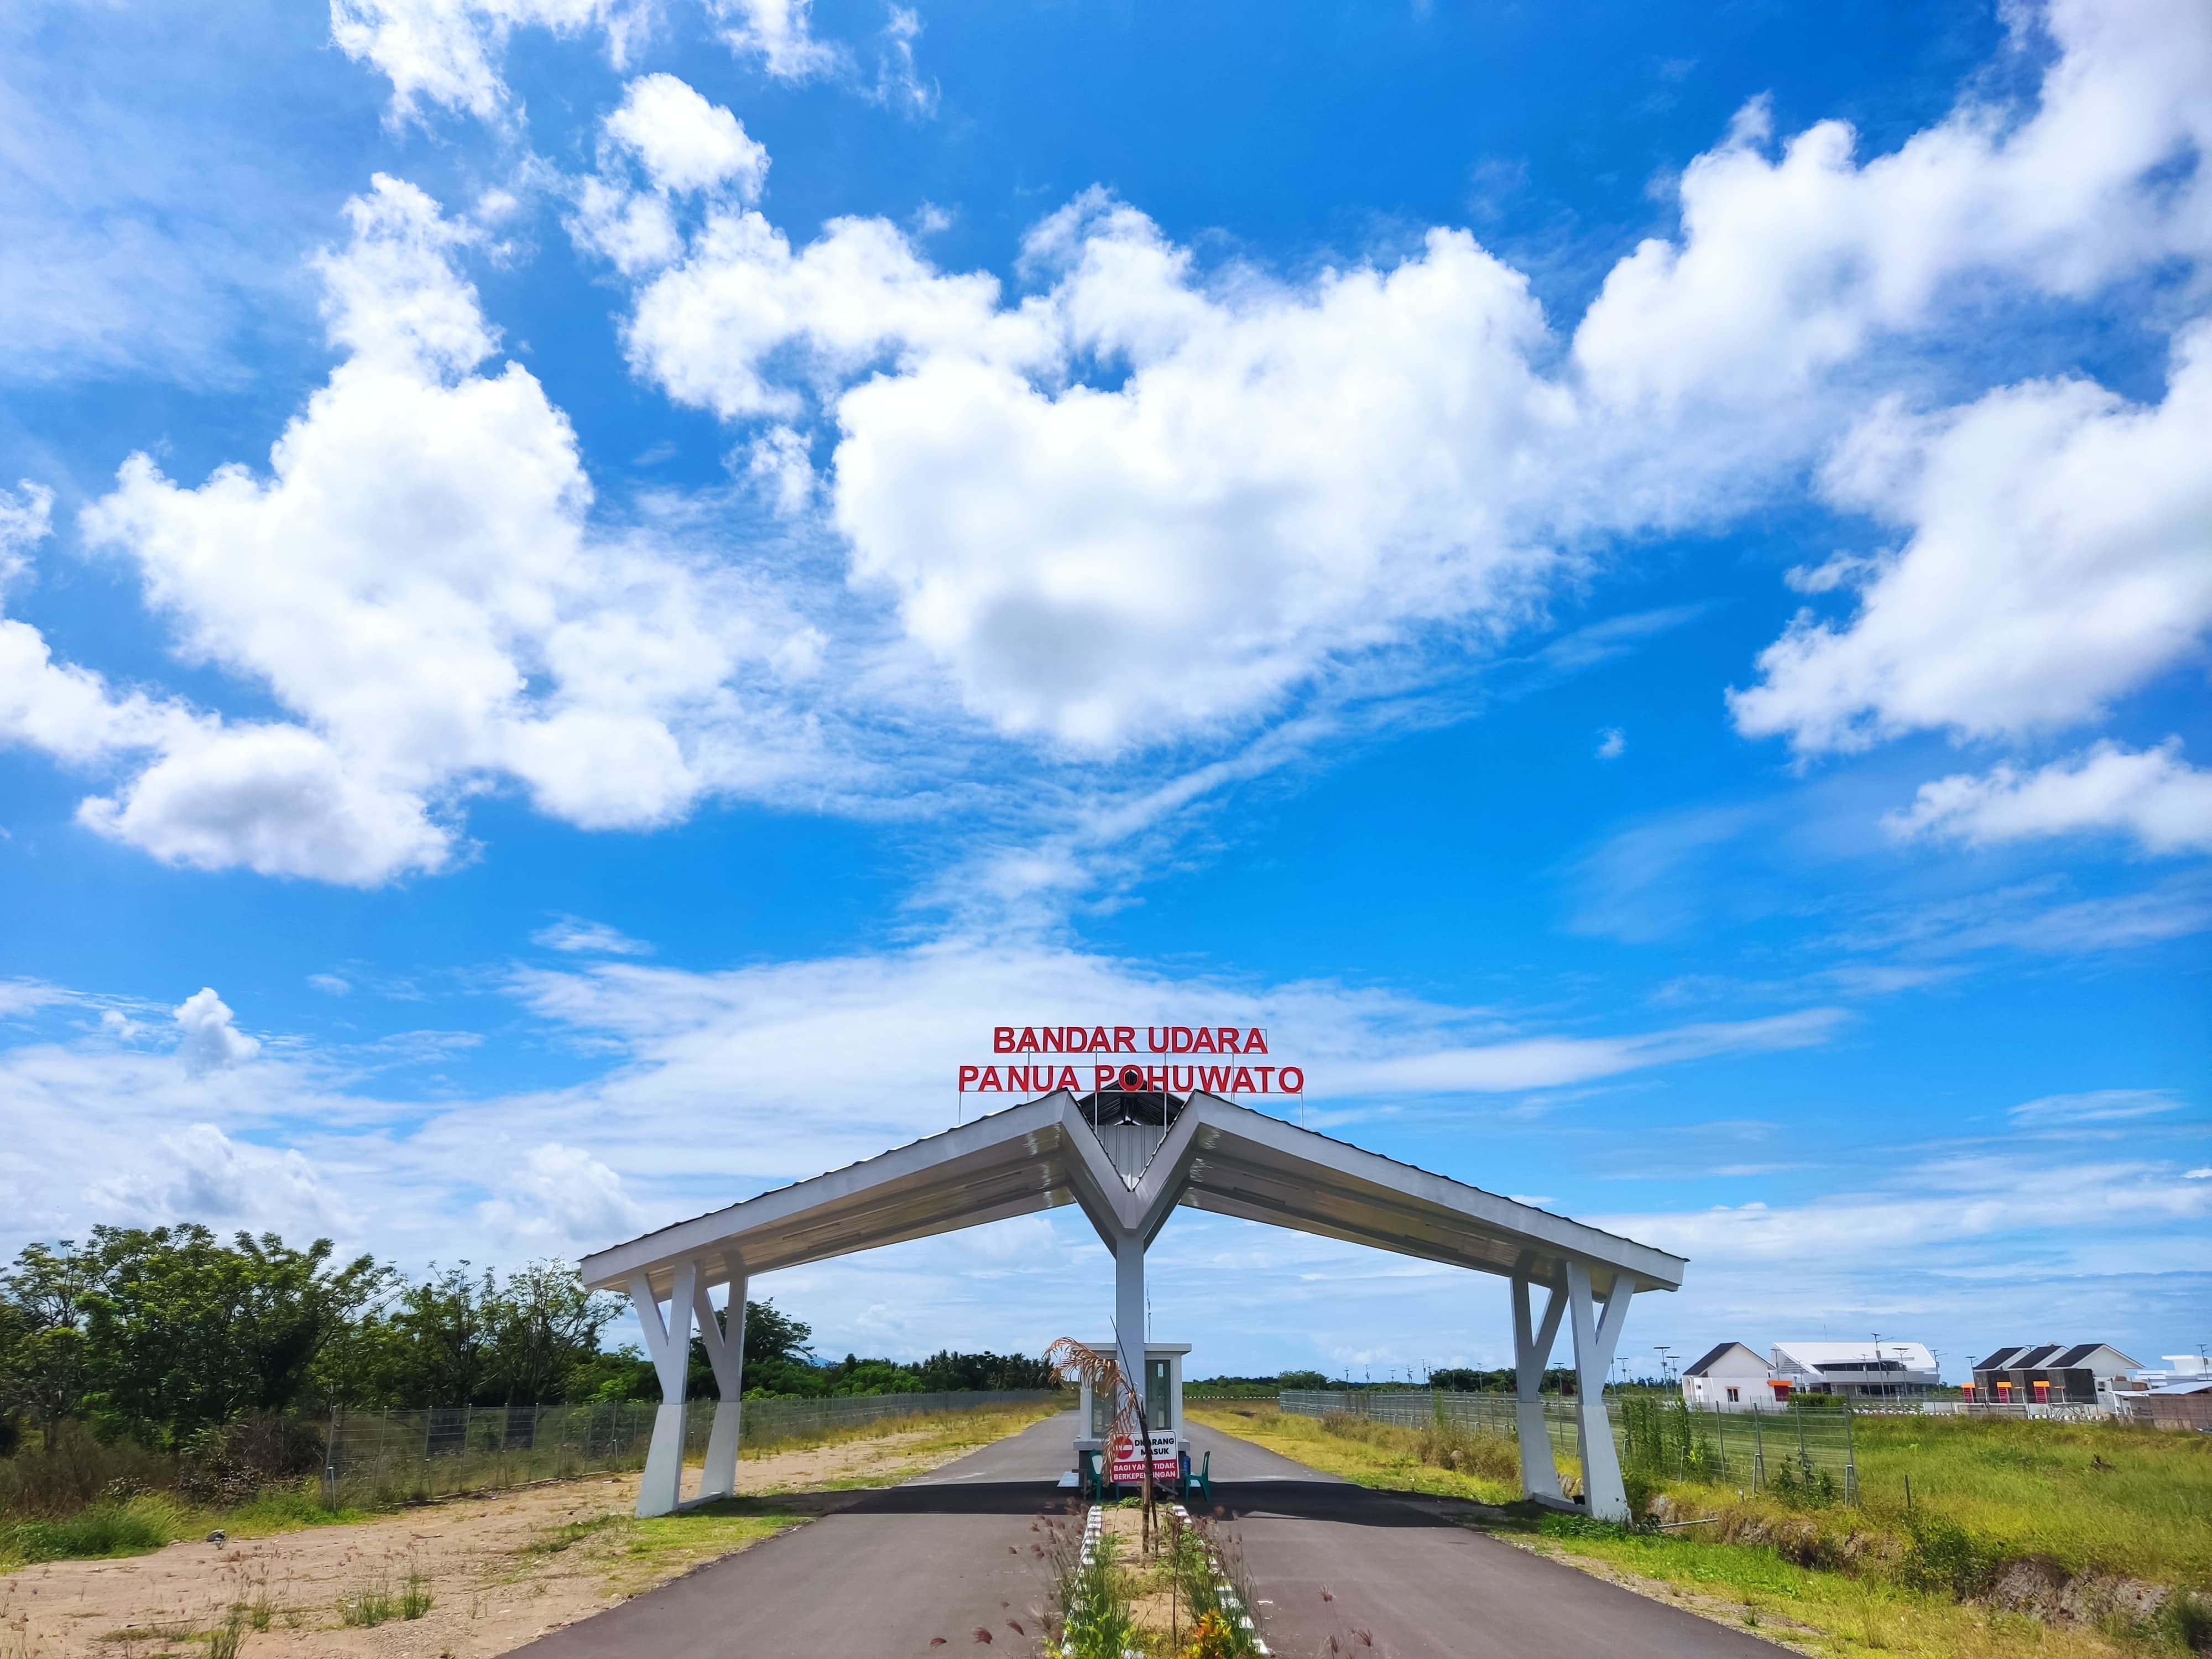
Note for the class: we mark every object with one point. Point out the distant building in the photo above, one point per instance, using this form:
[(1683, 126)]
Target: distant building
[(2178, 1397), (1861, 1370), (1731, 1378), (2054, 1374)]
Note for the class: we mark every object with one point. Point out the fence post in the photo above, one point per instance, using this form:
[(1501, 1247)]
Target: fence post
[(1851, 1456), (331, 1462), (1720, 1434), (1757, 1448)]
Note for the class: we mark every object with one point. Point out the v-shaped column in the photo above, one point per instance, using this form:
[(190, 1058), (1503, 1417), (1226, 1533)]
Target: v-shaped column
[(1532, 1348), (725, 1352), (669, 1343), (1596, 1336)]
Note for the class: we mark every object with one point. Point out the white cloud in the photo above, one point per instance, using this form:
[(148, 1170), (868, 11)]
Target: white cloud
[(414, 580), (1954, 1200), (684, 143), (274, 798), (202, 1175), (332, 985), (2153, 794), (562, 1194), (781, 33), (210, 1042), (446, 51), (1788, 266), (25, 519), (899, 81), (2098, 1106), (574, 934), (23, 996), (1548, 1062), (1145, 503), (1284, 475), (2058, 558), (1612, 744)]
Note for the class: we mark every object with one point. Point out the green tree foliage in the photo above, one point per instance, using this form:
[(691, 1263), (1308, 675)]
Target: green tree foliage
[(184, 1342), (42, 1348), (181, 1331)]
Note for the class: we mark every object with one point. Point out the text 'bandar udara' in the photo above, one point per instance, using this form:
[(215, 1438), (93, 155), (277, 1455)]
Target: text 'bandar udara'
[(1246, 1042)]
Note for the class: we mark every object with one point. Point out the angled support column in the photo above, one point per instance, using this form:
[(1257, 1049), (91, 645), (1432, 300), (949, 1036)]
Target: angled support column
[(669, 1343), (1532, 1347), (1596, 1336), (725, 1352)]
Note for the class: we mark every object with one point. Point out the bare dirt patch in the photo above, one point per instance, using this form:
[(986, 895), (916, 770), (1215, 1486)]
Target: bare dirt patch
[(496, 1571)]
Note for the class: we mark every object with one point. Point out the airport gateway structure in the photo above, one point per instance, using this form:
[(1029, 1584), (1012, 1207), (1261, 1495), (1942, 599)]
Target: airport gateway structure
[(1127, 1158)]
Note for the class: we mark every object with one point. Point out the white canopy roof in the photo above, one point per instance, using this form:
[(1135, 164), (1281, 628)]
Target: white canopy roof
[(1215, 1156)]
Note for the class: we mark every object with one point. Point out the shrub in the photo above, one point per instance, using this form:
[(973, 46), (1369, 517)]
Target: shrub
[(1942, 1555)]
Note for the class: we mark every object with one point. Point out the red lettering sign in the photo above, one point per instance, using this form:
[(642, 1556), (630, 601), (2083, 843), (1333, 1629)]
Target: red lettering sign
[(1038, 1079)]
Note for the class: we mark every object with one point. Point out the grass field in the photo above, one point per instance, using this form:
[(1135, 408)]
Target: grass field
[(147, 1521), (1873, 1578)]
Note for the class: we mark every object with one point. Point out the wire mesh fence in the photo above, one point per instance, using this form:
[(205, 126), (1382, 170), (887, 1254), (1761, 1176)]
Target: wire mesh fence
[(376, 1459), (1796, 1448)]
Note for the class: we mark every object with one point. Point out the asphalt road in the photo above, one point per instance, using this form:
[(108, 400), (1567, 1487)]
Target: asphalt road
[(944, 1564)]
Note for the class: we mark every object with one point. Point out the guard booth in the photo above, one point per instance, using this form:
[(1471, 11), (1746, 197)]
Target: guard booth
[(1094, 1413)]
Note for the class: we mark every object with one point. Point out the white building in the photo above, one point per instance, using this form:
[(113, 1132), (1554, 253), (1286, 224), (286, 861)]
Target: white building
[(1730, 1379), (1887, 1370)]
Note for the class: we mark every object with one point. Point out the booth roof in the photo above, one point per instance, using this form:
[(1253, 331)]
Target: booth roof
[(1219, 1157)]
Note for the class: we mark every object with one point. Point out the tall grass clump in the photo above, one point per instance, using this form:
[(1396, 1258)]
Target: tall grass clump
[(1090, 1598), (131, 1528)]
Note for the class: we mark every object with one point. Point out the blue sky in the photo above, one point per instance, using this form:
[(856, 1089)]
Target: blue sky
[(594, 589)]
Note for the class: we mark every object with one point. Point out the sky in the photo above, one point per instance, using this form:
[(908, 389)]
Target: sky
[(591, 591)]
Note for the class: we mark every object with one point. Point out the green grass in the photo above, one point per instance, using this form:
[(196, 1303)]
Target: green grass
[(2137, 1503), (2035, 1488), (1381, 1455), (636, 1553), (108, 1529)]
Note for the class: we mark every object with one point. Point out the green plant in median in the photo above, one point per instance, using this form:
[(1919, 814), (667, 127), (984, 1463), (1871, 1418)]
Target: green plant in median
[(1094, 1605)]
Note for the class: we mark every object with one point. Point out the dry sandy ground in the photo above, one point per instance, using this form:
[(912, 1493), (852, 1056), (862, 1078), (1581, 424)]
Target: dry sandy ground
[(494, 1583)]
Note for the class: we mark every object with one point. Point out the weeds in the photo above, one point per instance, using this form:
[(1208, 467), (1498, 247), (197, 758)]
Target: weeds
[(415, 1597), (222, 1642), (127, 1528), (371, 1603)]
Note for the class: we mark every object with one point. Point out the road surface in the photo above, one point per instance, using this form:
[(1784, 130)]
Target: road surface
[(935, 1566)]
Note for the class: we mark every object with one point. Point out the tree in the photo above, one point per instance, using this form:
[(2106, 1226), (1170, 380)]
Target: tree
[(545, 1324), (444, 1327), (181, 1332), (42, 1346)]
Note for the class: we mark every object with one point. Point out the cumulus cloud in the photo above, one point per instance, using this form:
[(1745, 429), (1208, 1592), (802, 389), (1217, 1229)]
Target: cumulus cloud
[(1284, 475), (562, 1194), (2153, 794), (1146, 502), (684, 143), (2057, 557), (210, 1042), (202, 1175), (1790, 263), (415, 580)]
